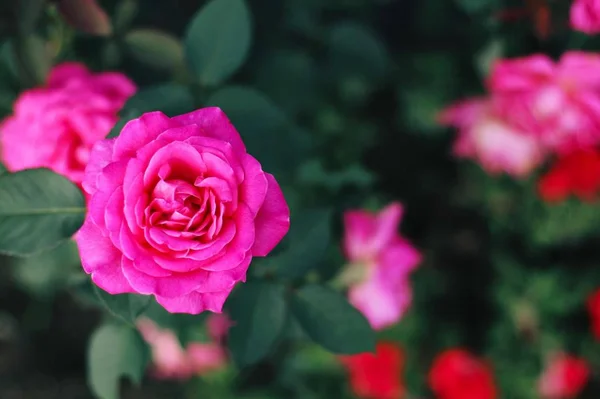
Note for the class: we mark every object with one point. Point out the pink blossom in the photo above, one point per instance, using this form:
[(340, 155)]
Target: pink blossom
[(565, 377), (585, 16), (495, 144), (178, 209), (171, 361), (557, 102), (372, 243), (55, 126)]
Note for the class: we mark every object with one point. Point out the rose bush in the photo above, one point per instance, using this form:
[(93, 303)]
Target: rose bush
[(177, 210)]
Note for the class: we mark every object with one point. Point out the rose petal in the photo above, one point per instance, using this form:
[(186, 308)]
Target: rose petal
[(196, 302), (272, 221), (139, 132), (214, 123), (101, 259)]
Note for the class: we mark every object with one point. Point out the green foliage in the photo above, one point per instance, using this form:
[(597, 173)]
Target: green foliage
[(170, 98), (260, 311), (155, 48), (309, 238), (330, 321), (218, 40), (115, 351), (39, 209), (263, 127), (127, 307)]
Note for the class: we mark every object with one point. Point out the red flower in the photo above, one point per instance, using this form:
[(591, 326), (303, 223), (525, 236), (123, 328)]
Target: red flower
[(456, 374), (577, 173), (565, 377), (377, 376), (593, 305)]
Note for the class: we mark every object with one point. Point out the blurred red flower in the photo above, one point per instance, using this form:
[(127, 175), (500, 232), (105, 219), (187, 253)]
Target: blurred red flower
[(457, 374), (565, 377), (593, 305), (378, 375), (577, 173)]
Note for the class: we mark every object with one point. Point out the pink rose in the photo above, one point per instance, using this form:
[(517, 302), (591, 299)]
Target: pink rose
[(565, 377), (178, 209), (585, 16), (557, 102), (490, 140), (171, 361), (55, 126), (373, 245)]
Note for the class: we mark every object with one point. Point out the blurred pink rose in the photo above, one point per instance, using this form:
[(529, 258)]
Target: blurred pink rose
[(56, 126), (565, 377), (178, 209), (557, 102), (372, 244), (585, 16), (171, 361), (491, 141)]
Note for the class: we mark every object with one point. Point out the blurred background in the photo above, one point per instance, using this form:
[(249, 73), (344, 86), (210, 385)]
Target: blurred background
[(340, 100)]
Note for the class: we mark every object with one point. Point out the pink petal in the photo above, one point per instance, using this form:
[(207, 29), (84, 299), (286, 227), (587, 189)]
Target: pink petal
[(272, 221), (214, 123), (255, 185), (196, 302), (139, 132), (100, 157), (101, 259), (62, 73)]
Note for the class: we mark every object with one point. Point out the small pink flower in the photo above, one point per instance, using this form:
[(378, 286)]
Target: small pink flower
[(178, 209), (490, 140), (171, 361), (557, 102), (372, 243), (585, 16), (56, 126), (565, 377)]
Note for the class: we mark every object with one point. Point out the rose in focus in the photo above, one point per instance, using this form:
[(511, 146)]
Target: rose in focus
[(171, 361), (55, 126), (380, 265), (457, 374), (565, 377), (377, 375), (178, 210)]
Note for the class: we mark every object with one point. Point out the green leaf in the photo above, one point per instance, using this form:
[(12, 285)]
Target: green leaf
[(46, 273), (3, 169), (34, 59), (218, 40), (309, 238), (114, 351), (127, 307), (38, 210), (267, 132), (155, 48), (355, 52), (127, 115), (330, 321), (259, 311), (475, 6), (172, 99)]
